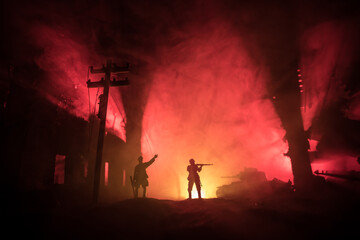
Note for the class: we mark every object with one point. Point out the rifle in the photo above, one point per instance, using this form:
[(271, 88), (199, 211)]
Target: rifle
[(204, 164)]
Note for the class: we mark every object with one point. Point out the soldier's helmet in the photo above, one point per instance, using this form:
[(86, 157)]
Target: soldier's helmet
[(140, 159), (192, 161)]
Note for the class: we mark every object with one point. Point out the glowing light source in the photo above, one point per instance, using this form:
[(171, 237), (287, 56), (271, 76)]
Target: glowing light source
[(124, 177), (195, 194), (106, 175), (313, 144)]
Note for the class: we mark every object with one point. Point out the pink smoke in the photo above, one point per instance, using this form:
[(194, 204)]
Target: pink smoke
[(207, 102), (65, 62)]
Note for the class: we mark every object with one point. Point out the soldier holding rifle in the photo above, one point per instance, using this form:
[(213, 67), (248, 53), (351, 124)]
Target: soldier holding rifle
[(194, 177)]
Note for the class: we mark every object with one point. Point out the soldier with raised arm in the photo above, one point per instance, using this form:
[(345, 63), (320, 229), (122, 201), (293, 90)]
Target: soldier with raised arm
[(140, 175)]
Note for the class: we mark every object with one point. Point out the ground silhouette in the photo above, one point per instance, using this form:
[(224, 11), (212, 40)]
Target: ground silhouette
[(315, 215)]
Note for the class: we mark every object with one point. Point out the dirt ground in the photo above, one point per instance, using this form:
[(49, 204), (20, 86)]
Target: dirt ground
[(279, 216)]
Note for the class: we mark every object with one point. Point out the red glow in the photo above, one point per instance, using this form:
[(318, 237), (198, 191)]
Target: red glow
[(124, 178), (106, 174), (206, 100), (210, 110), (66, 62), (326, 46), (313, 144), (336, 163), (328, 49)]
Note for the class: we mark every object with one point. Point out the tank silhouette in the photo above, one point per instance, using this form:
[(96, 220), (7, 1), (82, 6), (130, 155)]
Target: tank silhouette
[(252, 184)]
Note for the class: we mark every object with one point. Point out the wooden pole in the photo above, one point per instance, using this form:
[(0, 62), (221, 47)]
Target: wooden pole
[(106, 84)]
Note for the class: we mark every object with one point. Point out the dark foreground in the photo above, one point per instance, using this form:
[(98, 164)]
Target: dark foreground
[(285, 216)]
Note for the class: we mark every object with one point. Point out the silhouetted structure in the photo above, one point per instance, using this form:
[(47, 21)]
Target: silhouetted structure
[(140, 175)]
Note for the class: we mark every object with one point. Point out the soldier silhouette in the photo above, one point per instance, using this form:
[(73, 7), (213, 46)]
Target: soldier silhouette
[(194, 177), (140, 175)]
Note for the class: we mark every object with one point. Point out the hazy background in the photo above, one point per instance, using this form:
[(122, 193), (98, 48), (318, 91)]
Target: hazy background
[(199, 78)]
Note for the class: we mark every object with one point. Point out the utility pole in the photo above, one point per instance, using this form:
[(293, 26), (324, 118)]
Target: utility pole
[(106, 84)]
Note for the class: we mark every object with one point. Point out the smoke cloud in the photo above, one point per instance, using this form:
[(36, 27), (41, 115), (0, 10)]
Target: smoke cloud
[(201, 89)]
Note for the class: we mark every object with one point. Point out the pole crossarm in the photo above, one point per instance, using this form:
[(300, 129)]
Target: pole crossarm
[(101, 83), (119, 83), (97, 84)]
